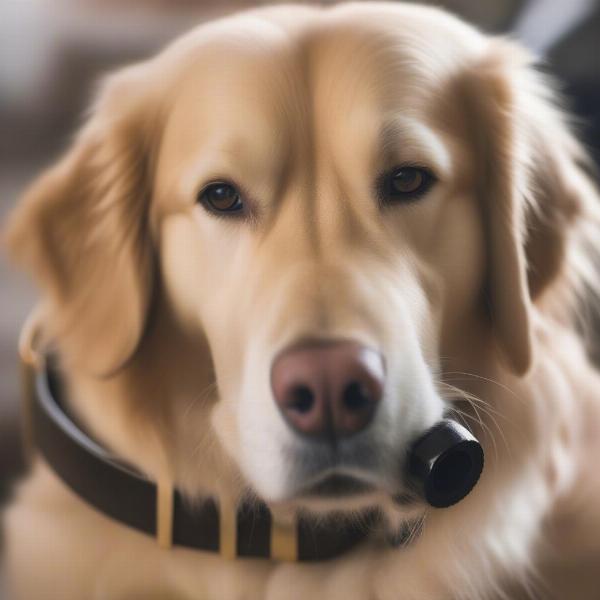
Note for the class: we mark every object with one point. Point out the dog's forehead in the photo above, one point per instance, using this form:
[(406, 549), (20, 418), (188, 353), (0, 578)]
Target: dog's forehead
[(259, 87), (342, 54)]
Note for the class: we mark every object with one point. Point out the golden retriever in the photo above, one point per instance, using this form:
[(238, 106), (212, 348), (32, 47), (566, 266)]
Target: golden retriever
[(379, 177)]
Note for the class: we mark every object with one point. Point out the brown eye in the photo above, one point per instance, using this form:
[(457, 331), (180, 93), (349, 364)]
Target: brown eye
[(405, 184), (221, 197), (407, 181)]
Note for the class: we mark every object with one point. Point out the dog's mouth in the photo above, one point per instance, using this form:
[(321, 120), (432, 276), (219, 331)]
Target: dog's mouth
[(338, 485), (441, 468)]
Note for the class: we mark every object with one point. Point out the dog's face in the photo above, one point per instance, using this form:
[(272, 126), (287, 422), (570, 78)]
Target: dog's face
[(310, 207), (332, 201)]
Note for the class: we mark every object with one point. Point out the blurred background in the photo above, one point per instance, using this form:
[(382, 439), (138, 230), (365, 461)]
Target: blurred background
[(52, 51)]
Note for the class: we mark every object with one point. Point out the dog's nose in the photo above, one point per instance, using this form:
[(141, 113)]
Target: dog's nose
[(328, 389)]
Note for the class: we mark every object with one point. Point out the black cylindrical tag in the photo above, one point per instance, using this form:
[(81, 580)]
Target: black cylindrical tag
[(445, 463)]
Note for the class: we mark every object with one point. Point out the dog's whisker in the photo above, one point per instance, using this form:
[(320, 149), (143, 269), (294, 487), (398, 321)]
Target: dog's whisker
[(200, 397), (485, 407), (491, 411), (487, 380), (468, 398), (478, 421), (479, 401)]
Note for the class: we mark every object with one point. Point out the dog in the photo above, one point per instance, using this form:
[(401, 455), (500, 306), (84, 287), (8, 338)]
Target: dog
[(279, 251)]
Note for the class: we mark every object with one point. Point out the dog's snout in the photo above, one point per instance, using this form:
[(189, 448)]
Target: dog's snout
[(328, 390)]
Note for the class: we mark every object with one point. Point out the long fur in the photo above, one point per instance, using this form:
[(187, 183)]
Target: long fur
[(165, 317)]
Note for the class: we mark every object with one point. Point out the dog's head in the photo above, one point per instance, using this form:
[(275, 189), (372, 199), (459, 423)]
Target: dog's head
[(341, 204)]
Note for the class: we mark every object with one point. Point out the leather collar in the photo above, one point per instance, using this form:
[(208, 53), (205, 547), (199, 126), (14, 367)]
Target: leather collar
[(122, 493)]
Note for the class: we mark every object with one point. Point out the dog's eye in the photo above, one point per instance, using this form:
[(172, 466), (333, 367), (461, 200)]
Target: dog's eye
[(221, 197), (405, 184)]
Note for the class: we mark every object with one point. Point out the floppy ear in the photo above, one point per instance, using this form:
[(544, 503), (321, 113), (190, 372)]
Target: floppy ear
[(534, 193), (82, 231)]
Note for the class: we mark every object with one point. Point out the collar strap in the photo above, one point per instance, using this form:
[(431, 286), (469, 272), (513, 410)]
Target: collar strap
[(248, 530)]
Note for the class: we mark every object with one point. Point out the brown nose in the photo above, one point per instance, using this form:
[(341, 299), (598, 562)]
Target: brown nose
[(328, 389)]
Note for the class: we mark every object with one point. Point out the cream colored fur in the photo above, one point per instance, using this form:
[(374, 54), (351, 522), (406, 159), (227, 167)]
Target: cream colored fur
[(167, 318)]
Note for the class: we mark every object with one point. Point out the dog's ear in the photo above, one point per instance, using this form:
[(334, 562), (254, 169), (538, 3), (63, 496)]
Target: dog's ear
[(82, 231), (532, 187)]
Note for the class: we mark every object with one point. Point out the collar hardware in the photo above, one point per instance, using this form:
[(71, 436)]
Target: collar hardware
[(31, 359), (228, 528), (284, 538), (164, 513)]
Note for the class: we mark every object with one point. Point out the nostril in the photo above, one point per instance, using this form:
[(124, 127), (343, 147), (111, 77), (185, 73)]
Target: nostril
[(302, 399), (356, 396)]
